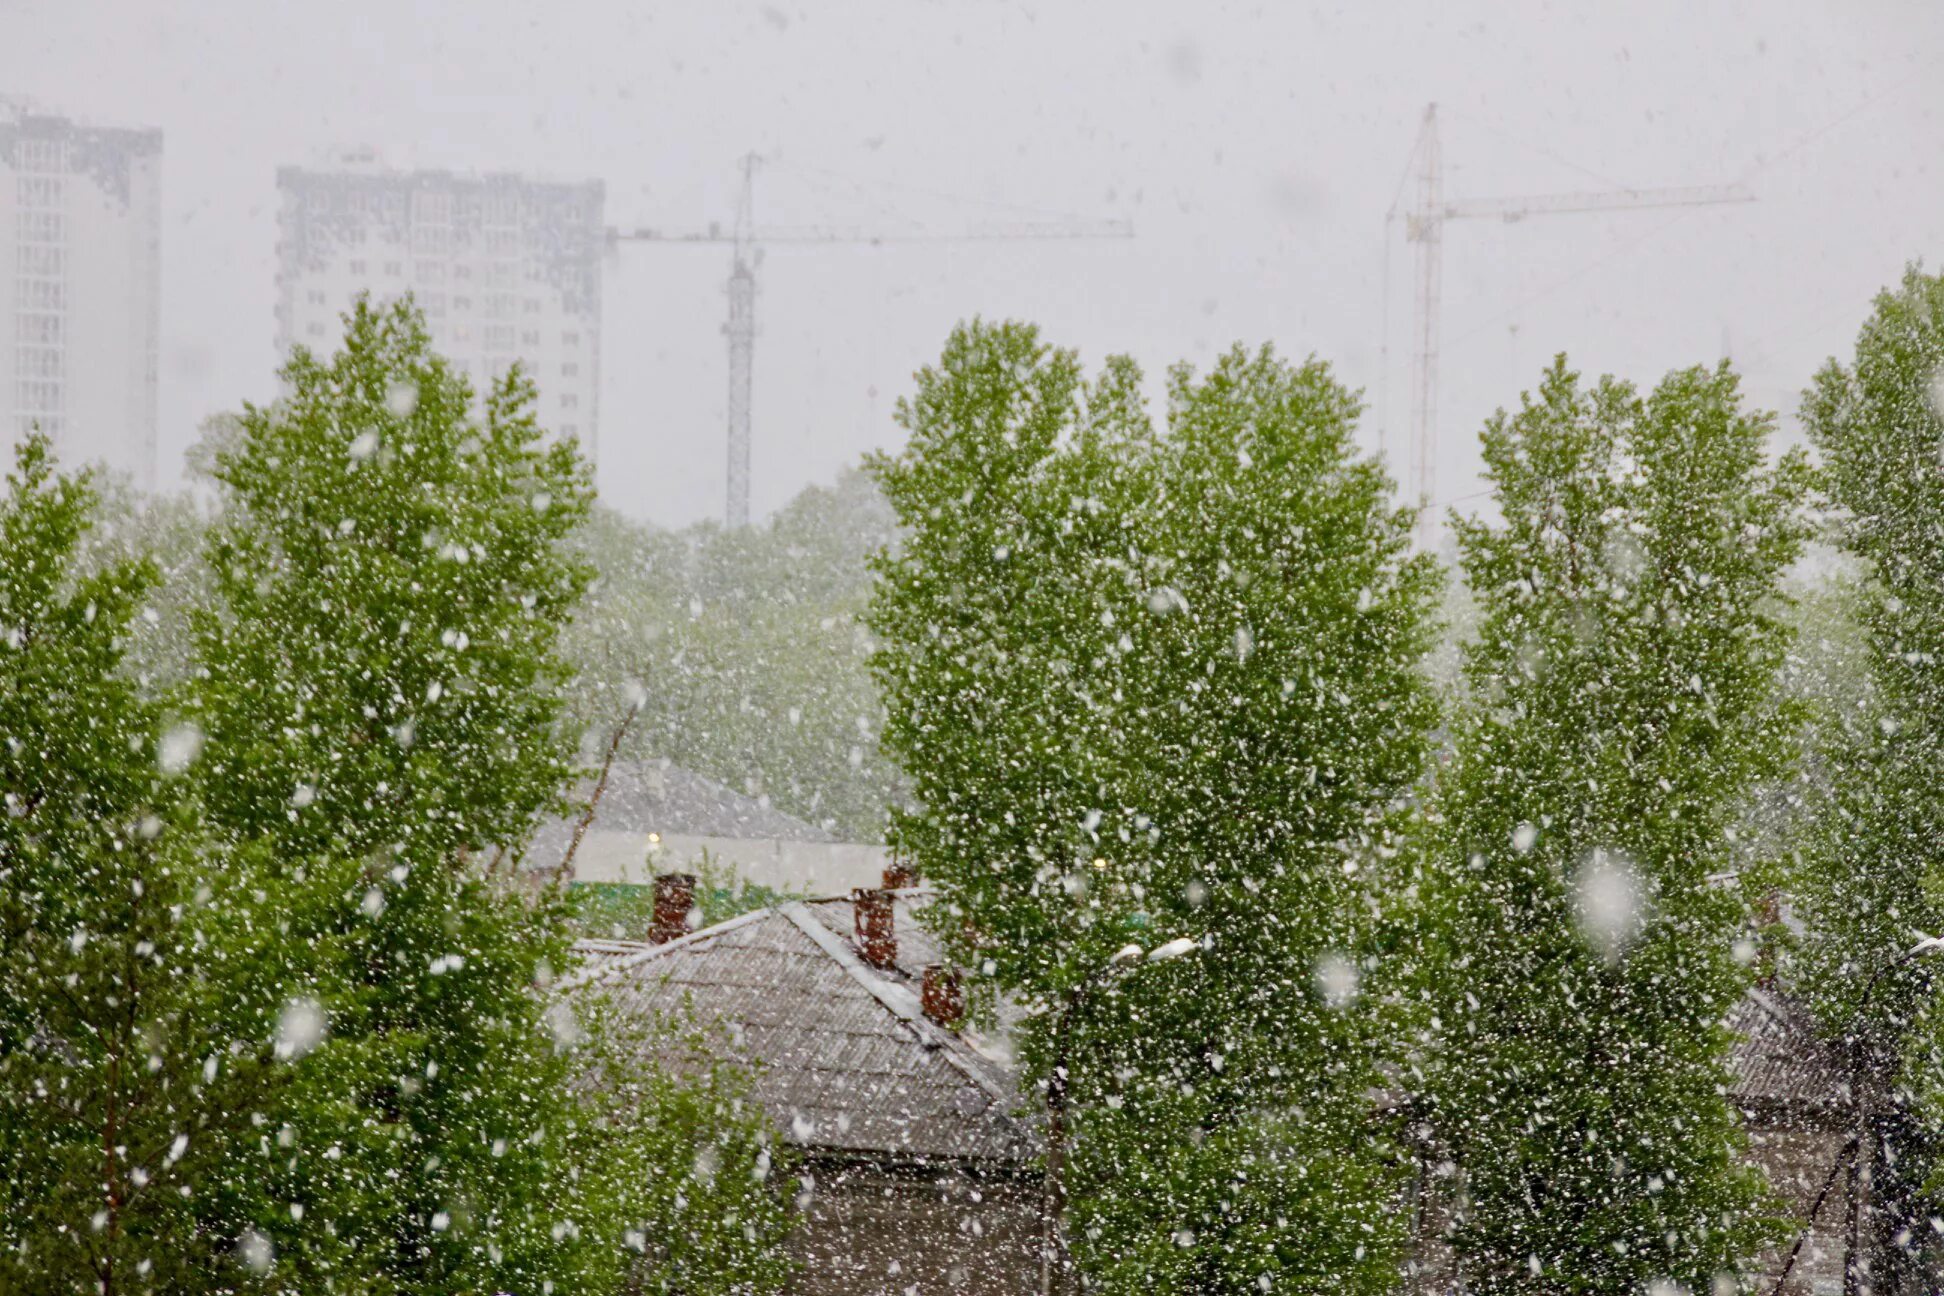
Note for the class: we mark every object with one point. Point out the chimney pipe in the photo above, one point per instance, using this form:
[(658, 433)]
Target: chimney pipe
[(944, 996), (899, 876), (877, 933), (674, 898)]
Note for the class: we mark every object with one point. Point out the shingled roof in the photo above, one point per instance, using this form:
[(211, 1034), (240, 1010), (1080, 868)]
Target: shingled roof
[(847, 1064), (1780, 1060)]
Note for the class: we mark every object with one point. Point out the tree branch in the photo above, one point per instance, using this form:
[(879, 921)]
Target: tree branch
[(564, 871)]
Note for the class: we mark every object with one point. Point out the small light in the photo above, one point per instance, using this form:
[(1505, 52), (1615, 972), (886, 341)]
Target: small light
[(654, 839), (1100, 861)]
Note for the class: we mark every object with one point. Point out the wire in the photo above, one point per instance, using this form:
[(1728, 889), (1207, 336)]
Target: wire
[(1397, 195), (1570, 279), (1045, 213), (1383, 352), (1543, 151), (828, 184), (1831, 125)]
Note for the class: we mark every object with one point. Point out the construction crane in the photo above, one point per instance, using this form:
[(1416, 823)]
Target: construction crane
[(746, 239), (1424, 226)]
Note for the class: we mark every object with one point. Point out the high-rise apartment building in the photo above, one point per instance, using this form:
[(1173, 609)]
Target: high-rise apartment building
[(80, 287), (505, 269)]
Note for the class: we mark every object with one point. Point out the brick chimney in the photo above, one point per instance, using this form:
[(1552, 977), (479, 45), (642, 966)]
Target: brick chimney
[(944, 996), (899, 876), (674, 898), (877, 932)]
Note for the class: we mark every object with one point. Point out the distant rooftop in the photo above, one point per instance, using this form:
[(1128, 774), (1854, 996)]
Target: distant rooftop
[(368, 163), (656, 796)]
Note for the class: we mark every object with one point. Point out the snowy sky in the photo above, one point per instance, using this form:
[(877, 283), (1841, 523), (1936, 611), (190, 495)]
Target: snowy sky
[(1256, 148)]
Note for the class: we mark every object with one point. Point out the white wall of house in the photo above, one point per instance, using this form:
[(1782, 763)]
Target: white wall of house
[(819, 868)]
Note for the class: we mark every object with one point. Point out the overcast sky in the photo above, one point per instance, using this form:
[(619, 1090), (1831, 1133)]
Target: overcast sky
[(1255, 148)]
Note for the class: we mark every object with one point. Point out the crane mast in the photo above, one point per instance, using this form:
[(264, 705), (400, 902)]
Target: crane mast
[(1424, 227), (746, 240)]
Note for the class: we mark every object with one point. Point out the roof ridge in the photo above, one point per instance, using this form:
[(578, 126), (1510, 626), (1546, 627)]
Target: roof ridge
[(649, 952), (899, 1001)]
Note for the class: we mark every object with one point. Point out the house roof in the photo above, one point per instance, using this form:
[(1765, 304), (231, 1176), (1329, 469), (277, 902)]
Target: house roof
[(655, 796), (847, 1063), (1780, 1058)]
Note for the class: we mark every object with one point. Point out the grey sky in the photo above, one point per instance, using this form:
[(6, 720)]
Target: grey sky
[(1256, 148)]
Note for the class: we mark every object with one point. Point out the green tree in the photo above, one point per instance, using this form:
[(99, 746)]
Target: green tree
[(747, 648), (1154, 685), (1623, 706), (1872, 858), (143, 986), (380, 682)]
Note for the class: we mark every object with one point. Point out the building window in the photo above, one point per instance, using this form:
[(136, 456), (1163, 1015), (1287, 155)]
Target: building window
[(39, 261), (38, 395), (432, 208), (357, 267), (429, 271), (40, 227), (42, 155), (394, 268), (499, 337), (530, 337), (568, 400), (38, 191), (569, 370), (42, 328)]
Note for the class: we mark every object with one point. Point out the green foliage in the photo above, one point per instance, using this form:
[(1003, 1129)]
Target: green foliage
[(1165, 684), (681, 1153), (747, 645), (379, 683), (391, 578), (1873, 862), (1871, 873), (141, 990), (1623, 707)]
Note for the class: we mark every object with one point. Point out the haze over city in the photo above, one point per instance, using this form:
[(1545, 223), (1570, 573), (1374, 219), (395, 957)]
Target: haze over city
[(1254, 149)]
